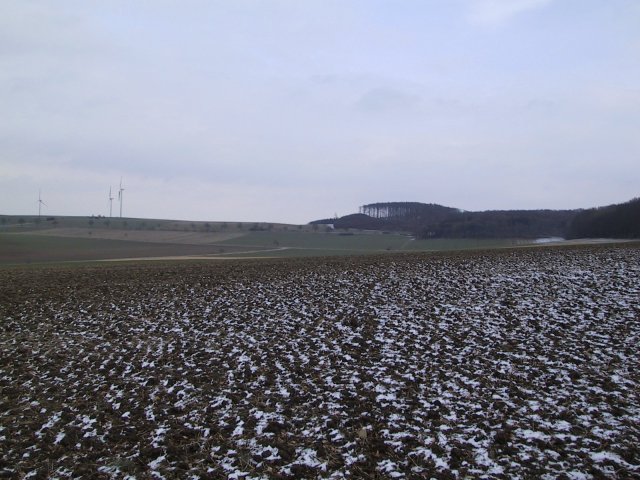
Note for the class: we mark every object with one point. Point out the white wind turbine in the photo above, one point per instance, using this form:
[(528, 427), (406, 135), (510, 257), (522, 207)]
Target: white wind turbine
[(110, 203), (120, 195)]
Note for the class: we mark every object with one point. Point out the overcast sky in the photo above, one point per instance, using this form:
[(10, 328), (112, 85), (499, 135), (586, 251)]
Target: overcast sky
[(293, 110)]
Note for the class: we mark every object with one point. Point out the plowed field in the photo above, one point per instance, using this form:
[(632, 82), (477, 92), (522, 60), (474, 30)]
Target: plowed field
[(503, 364)]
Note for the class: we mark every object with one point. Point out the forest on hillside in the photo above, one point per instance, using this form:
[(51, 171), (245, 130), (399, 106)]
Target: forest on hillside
[(613, 221), (437, 221)]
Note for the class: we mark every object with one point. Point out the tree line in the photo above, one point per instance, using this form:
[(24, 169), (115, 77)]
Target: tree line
[(437, 221), (613, 221)]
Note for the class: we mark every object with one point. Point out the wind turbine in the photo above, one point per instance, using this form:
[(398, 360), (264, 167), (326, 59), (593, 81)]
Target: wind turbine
[(40, 202), (110, 203), (120, 196)]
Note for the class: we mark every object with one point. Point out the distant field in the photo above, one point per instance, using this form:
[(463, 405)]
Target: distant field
[(325, 244), (33, 249), (69, 244), (61, 239), (148, 236)]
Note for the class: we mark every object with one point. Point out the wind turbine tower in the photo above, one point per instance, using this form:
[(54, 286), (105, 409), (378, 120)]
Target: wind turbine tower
[(40, 203), (110, 203), (120, 195)]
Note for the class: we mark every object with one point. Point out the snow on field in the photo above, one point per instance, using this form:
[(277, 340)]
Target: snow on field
[(514, 364)]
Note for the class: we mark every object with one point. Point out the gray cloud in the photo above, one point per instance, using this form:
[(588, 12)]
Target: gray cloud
[(387, 100), (492, 12)]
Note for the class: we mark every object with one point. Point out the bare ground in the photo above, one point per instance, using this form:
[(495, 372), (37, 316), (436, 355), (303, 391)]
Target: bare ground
[(511, 364)]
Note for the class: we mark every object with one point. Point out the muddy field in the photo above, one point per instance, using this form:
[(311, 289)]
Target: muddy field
[(504, 364)]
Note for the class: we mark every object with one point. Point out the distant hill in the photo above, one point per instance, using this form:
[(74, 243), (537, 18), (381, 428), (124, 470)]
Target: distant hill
[(23, 223), (614, 221), (399, 216), (437, 221)]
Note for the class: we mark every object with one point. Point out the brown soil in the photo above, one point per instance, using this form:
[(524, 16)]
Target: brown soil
[(505, 364)]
